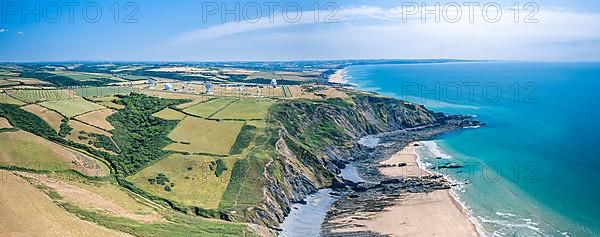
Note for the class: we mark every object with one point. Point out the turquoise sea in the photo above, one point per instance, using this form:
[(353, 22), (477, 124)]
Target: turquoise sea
[(534, 169)]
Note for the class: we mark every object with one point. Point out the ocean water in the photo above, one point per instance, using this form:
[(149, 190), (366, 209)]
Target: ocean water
[(534, 169)]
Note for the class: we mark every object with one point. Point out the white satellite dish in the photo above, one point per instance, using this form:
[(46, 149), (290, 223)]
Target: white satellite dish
[(274, 83), (208, 88)]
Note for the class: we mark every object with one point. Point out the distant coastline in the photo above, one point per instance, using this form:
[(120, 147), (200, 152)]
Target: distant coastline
[(339, 77)]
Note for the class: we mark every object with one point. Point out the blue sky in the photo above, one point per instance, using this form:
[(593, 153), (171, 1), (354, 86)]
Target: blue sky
[(176, 31)]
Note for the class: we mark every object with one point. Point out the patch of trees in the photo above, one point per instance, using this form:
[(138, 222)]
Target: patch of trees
[(103, 141), (31, 123), (243, 140), (139, 135), (218, 166), (27, 121), (163, 180), (65, 129)]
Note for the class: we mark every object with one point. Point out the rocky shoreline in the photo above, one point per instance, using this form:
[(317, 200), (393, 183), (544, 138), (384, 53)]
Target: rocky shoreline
[(379, 191)]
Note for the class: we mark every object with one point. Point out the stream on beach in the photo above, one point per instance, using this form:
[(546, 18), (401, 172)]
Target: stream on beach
[(305, 219)]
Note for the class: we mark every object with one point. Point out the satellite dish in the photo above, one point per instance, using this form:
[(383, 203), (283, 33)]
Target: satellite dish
[(208, 88), (274, 83), (168, 87)]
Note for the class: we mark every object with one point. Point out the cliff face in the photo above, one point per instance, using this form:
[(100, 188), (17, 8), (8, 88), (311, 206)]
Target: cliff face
[(317, 138)]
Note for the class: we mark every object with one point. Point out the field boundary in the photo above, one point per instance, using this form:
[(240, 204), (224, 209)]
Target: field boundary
[(89, 124), (94, 126), (222, 108)]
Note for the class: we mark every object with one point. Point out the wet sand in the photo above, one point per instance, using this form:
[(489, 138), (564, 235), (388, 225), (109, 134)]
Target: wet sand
[(417, 214)]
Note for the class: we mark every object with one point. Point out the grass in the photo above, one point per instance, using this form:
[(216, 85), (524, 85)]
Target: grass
[(97, 118), (4, 123), (103, 91), (169, 114), (27, 81), (26, 211), (8, 83), (177, 225), (140, 136), (83, 76), (96, 195), (133, 77), (287, 92), (52, 118), (208, 108), (25, 150), (246, 183), (244, 139), (247, 179), (80, 132), (245, 109), (204, 136), (195, 184), (31, 96), (6, 99), (71, 107)]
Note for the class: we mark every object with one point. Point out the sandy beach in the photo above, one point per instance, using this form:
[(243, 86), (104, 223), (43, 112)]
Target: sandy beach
[(338, 77), (417, 214)]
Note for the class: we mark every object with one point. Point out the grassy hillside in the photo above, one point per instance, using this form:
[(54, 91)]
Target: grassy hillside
[(29, 212), (196, 135), (25, 150), (191, 180)]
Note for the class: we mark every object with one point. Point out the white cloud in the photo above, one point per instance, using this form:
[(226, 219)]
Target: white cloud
[(375, 32), (20, 32), (2, 30)]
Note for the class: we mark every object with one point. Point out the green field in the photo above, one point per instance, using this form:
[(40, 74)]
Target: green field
[(204, 136), (84, 76), (245, 109), (103, 91), (6, 99), (71, 107), (32, 96), (169, 114), (6, 83), (133, 77), (25, 150), (247, 181), (286, 91), (176, 225), (195, 184), (208, 108)]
